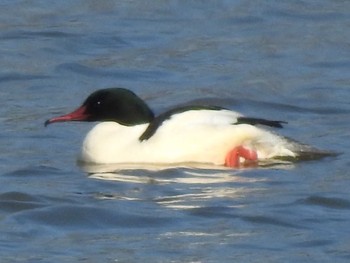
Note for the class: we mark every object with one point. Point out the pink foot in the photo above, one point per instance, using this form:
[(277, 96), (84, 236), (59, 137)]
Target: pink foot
[(232, 157)]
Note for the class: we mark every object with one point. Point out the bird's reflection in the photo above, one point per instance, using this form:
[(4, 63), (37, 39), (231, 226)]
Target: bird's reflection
[(180, 186), (192, 173)]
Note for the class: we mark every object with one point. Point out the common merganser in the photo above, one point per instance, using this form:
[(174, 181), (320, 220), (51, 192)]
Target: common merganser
[(129, 132)]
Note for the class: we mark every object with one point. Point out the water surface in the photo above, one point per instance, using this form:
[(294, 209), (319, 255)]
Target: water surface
[(279, 60)]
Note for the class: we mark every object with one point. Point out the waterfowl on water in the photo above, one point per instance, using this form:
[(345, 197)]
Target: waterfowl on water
[(129, 132)]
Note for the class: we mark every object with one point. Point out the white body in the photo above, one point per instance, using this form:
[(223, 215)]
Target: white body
[(203, 136)]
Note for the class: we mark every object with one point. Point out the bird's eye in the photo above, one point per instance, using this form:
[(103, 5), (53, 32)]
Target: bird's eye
[(96, 104)]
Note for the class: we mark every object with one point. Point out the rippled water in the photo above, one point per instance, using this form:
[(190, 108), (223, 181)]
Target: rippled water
[(285, 60)]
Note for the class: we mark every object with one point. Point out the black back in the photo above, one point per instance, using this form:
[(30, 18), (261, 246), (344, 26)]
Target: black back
[(158, 121), (256, 121)]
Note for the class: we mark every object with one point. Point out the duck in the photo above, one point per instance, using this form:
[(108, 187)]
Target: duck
[(128, 131)]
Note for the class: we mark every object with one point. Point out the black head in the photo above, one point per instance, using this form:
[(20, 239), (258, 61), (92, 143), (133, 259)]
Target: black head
[(114, 104)]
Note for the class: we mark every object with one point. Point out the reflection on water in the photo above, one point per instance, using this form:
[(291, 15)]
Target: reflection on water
[(152, 167), (206, 182), (188, 176)]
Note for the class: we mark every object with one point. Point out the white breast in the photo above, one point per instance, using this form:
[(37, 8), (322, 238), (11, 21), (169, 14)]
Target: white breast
[(203, 136)]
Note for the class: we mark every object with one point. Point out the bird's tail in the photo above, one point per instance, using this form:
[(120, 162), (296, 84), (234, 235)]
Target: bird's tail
[(304, 152)]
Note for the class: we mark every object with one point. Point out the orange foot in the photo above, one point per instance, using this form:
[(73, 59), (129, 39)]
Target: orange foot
[(232, 157)]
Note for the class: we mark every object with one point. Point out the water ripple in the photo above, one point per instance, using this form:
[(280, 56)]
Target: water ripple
[(115, 74), (21, 34), (266, 220), (327, 202), (17, 201), (34, 171), (20, 77), (89, 217)]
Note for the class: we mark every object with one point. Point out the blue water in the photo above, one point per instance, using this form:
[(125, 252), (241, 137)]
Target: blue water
[(284, 60)]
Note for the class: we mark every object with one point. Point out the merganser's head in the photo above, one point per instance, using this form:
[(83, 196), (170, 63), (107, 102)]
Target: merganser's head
[(113, 104)]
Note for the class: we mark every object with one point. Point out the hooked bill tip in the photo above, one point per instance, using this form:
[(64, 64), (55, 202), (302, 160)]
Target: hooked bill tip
[(47, 123)]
